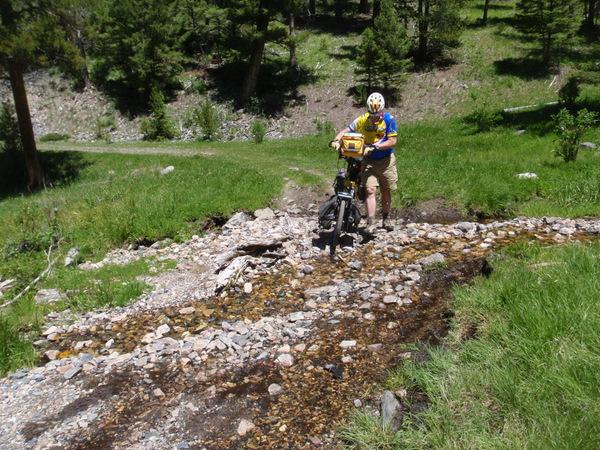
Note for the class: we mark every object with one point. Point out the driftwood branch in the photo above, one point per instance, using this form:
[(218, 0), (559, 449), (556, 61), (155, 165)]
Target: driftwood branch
[(43, 274)]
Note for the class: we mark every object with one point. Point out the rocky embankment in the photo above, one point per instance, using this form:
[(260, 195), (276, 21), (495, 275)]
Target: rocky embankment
[(258, 339)]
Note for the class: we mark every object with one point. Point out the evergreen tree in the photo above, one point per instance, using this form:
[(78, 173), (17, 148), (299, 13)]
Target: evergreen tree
[(251, 20), (550, 22), (201, 25), (438, 25), (137, 48), (382, 53), (31, 34), (486, 7)]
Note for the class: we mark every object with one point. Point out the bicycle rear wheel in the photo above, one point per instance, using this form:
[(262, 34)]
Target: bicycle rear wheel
[(339, 224)]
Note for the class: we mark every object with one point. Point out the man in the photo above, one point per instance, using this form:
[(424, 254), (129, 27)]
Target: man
[(379, 166)]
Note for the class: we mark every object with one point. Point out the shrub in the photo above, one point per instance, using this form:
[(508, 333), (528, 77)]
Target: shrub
[(570, 129), (324, 127), (259, 130), (160, 126), (51, 137), (207, 118), (360, 93), (568, 93), (103, 125), (483, 117)]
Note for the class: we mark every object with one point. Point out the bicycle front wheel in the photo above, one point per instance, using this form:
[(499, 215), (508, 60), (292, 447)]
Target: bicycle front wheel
[(339, 224)]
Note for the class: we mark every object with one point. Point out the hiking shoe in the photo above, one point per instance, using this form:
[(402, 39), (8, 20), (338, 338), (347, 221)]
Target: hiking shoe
[(371, 228), (387, 225)]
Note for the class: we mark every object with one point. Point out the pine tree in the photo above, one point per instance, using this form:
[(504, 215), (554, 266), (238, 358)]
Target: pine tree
[(31, 31), (138, 48), (438, 25), (550, 22), (382, 53)]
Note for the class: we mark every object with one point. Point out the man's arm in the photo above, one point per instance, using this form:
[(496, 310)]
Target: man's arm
[(390, 142)]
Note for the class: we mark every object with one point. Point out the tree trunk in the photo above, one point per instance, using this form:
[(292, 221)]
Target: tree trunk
[(486, 6), (423, 18), (339, 10), (84, 69), (293, 60), (376, 8), (32, 161), (312, 7), (547, 48), (590, 14), (251, 80), (363, 7)]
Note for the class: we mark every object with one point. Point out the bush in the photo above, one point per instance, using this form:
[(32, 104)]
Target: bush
[(483, 117), (324, 127), (104, 125), (52, 137), (160, 126), (207, 118), (568, 93), (570, 129), (259, 130)]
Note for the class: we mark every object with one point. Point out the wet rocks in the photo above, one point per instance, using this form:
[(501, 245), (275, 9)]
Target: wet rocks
[(213, 316)]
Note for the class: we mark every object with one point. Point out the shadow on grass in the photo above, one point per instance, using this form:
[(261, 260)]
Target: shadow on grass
[(59, 168), (326, 23), (537, 119), (527, 68)]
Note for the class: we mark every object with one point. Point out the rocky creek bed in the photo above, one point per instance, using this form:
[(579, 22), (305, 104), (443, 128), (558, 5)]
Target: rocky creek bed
[(258, 338)]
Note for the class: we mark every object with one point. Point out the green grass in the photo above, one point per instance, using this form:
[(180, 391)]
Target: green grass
[(477, 172), (115, 200), (530, 378), (118, 199)]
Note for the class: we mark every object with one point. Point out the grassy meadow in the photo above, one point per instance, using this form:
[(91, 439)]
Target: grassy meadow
[(529, 378)]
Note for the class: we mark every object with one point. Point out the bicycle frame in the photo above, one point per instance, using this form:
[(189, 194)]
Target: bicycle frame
[(347, 187)]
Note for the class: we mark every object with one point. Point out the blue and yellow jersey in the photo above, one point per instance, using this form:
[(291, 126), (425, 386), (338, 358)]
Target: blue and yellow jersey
[(378, 133)]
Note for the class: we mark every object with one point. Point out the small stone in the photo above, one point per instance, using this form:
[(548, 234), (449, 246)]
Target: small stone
[(187, 311), (52, 354), (526, 175), (308, 269), (264, 214), (248, 288), (275, 389), (390, 407), (245, 426), (348, 344), (285, 359), (72, 372), (163, 329), (375, 347), (158, 392), (436, 258), (388, 299)]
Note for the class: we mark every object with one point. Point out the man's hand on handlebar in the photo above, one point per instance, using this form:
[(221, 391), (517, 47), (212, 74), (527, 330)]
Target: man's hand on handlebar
[(335, 144), (370, 148)]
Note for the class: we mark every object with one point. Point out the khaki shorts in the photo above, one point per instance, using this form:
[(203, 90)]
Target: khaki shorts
[(380, 173)]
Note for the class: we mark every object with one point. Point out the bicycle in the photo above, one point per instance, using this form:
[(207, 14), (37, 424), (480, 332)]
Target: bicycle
[(348, 187)]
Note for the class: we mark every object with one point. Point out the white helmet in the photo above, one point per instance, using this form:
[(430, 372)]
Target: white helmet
[(375, 103)]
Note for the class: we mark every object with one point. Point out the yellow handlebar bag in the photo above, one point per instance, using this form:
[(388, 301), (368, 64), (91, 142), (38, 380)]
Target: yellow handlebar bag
[(353, 145)]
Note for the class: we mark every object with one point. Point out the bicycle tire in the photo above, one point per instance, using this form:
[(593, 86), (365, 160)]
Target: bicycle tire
[(339, 224)]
